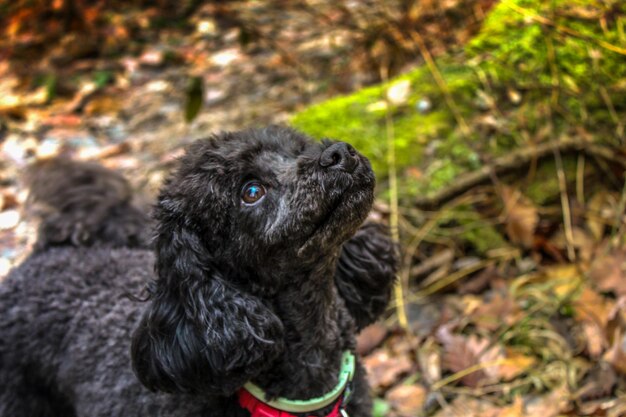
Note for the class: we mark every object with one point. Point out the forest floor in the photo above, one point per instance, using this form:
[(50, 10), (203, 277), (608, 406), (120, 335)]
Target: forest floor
[(535, 328)]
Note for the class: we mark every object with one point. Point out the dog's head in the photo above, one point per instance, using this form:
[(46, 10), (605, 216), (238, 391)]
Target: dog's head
[(242, 212), (261, 197)]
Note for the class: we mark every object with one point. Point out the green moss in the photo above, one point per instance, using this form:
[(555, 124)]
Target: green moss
[(471, 229), (348, 118), (559, 75), (360, 118), (544, 187), (516, 50), (483, 238)]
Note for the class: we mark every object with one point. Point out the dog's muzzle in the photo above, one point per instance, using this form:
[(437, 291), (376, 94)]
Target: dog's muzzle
[(339, 156)]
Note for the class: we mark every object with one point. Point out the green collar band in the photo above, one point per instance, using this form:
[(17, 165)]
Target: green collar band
[(304, 406)]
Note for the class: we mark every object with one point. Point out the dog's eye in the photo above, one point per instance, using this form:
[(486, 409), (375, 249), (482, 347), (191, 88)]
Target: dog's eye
[(252, 192)]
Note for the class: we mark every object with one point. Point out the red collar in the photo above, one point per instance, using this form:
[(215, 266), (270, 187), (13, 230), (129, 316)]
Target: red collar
[(258, 408), (254, 399)]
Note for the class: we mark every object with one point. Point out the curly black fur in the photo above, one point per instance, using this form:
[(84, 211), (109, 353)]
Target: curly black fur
[(366, 263), (84, 204), (261, 292)]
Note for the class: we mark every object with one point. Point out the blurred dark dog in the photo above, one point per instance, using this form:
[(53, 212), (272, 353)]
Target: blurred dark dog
[(264, 273)]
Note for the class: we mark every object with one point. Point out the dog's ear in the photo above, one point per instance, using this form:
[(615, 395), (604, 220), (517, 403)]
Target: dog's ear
[(199, 333), (366, 272)]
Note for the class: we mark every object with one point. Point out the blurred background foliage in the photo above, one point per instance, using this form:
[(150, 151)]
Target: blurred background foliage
[(496, 129), (533, 64)]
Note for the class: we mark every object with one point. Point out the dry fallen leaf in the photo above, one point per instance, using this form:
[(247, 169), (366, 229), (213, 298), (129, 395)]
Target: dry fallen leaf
[(565, 279), (514, 410), (384, 370), (461, 353), (521, 217), (103, 104), (607, 272), (591, 306), (598, 383), (407, 400), (400, 345), (616, 355), (458, 357), (495, 311), (370, 338), (581, 241), (593, 310), (617, 314), (8, 198), (514, 364), (618, 408), (594, 339), (550, 405), (464, 406), (600, 213), (478, 282), (429, 360)]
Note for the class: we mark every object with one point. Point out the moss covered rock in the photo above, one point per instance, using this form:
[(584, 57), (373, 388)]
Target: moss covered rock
[(423, 126), (536, 71)]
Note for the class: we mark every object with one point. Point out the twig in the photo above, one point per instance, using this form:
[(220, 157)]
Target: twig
[(560, 172), (417, 239), (411, 248), (618, 230), (489, 389), (452, 278), (619, 129), (463, 373), (441, 83), (580, 180), (393, 207), (514, 161), (444, 257)]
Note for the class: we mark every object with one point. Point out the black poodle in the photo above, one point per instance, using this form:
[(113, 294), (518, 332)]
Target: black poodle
[(263, 276)]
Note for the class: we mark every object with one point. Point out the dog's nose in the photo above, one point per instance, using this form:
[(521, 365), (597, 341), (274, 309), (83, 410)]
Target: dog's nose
[(341, 156)]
